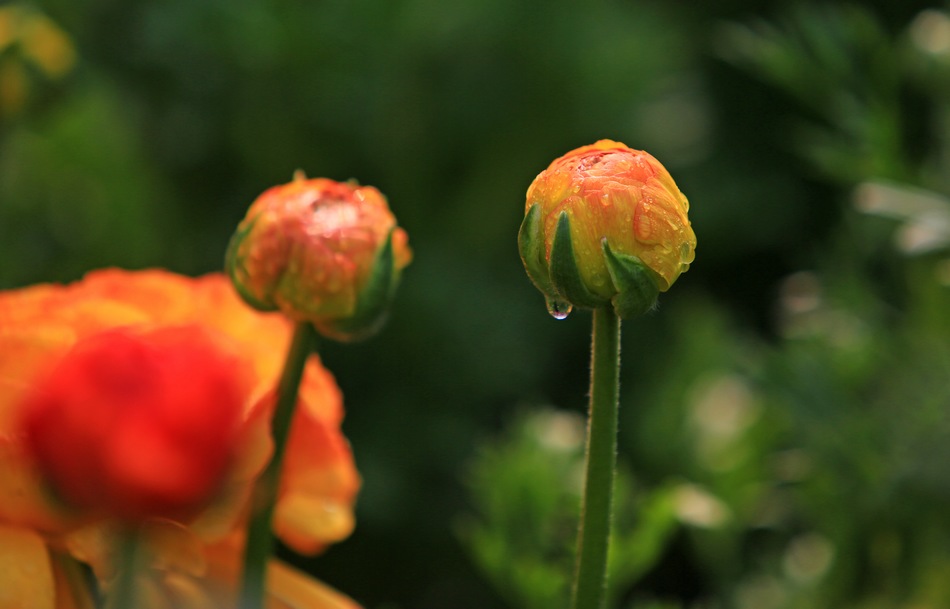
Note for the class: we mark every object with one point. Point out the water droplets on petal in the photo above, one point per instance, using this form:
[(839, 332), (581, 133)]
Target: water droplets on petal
[(643, 225), (686, 253)]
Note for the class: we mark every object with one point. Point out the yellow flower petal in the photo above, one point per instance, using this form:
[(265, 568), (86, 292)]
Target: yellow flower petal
[(289, 588), (308, 523), (26, 574)]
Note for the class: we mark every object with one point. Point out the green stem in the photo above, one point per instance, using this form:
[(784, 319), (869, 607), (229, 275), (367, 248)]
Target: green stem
[(260, 540), (122, 595), (593, 536)]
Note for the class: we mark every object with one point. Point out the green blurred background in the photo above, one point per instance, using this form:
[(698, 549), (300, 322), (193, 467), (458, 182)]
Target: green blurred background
[(784, 424)]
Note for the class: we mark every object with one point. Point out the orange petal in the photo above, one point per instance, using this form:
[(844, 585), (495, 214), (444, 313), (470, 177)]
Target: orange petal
[(188, 593), (224, 514), (23, 498), (288, 588), (308, 523), (319, 393), (163, 296), (318, 485), (93, 545), (24, 352), (173, 547)]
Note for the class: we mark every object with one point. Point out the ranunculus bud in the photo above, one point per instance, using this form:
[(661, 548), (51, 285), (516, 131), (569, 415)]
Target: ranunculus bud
[(605, 224), (138, 425), (321, 251)]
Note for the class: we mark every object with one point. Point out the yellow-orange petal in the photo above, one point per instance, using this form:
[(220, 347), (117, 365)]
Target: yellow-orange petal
[(174, 547), (171, 547), (320, 396), (224, 514), (288, 588), (161, 590), (318, 486), (26, 573), (308, 523), (164, 296), (92, 545), (23, 499), (263, 337)]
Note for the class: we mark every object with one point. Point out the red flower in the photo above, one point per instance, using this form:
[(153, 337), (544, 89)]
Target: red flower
[(136, 425), (73, 350)]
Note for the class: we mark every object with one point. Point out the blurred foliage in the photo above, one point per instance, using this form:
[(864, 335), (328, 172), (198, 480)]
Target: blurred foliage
[(787, 402), (527, 487)]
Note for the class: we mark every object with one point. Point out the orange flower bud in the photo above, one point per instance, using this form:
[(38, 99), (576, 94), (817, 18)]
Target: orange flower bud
[(137, 425), (605, 224), (320, 251)]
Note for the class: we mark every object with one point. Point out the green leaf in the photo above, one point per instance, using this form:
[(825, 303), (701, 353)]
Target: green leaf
[(564, 272), (636, 287), (531, 248), (373, 302), (234, 265)]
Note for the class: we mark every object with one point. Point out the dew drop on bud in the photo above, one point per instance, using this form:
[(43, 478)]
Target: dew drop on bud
[(558, 308), (685, 251)]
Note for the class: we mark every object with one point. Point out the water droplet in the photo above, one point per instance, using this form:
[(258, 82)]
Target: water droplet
[(559, 309), (685, 252)]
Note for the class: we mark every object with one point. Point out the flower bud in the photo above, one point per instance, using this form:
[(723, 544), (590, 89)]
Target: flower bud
[(321, 251), (605, 224), (137, 426)]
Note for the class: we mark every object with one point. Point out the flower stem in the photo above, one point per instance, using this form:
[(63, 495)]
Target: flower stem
[(122, 595), (593, 536), (260, 540)]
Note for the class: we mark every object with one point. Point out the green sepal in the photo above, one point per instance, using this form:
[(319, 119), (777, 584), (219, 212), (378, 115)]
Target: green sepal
[(531, 248), (234, 266), (373, 301), (636, 287), (564, 272)]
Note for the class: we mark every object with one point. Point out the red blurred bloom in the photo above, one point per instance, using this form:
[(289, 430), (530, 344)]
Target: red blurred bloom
[(136, 351), (136, 425)]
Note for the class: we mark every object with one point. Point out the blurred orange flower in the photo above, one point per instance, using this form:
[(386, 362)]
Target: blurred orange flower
[(137, 425), (38, 534), (321, 251)]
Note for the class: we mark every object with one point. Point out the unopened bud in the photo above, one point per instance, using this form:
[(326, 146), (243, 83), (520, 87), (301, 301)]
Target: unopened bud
[(605, 224), (329, 253)]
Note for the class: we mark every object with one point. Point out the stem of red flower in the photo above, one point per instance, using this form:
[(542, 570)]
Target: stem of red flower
[(593, 537), (122, 595), (260, 539)]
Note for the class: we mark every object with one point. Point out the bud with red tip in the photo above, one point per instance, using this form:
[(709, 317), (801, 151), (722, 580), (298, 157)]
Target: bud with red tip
[(605, 224), (325, 252)]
